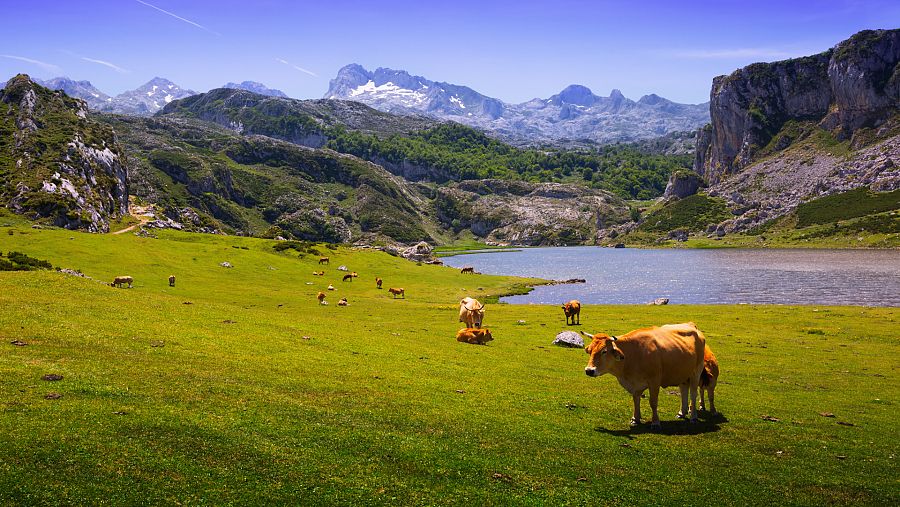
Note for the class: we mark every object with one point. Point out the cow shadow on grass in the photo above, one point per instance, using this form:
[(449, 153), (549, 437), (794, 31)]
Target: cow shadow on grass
[(707, 423)]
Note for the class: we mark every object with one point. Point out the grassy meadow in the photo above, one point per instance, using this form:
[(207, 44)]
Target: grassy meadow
[(236, 387)]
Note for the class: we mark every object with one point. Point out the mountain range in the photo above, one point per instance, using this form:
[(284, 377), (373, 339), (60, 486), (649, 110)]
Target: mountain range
[(143, 101), (574, 114)]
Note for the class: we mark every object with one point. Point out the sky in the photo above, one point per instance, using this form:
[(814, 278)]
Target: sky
[(514, 51)]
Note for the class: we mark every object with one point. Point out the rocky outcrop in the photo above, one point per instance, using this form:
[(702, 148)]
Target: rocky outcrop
[(682, 184), (65, 167), (522, 213), (856, 84)]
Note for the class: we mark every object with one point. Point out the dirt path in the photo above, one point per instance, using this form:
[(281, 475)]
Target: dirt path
[(142, 213)]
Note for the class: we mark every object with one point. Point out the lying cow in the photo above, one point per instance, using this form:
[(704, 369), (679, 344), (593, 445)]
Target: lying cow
[(467, 269), (671, 355), (397, 292), (343, 302), (318, 273), (474, 336), (119, 281), (321, 297), (471, 312), (378, 282), (324, 260), (572, 309), (171, 280)]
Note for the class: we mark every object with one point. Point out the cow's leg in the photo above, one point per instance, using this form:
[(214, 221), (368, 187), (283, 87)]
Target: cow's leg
[(684, 401), (636, 417), (702, 403), (712, 402), (654, 399), (694, 383)]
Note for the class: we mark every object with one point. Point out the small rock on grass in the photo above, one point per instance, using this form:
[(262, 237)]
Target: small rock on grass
[(18, 343), (826, 414), (770, 418), (52, 396), (157, 343), (460, 391), (501, 477), (52, 377)]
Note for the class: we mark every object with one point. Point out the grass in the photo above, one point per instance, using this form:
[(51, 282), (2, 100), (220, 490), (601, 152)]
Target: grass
[(254, 394), (851, 204), (693, 213)]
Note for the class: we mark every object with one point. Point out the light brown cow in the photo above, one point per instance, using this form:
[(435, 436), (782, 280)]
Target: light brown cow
[(171, 280), (324, 260), (670, 355), (572, 309), (397, 292), (471, 312), (378, 282), (474, 336), (119, 281), (321, 297)]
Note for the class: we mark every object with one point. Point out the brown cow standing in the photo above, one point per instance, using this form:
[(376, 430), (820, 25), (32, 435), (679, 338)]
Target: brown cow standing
[(378, 282), (467, 269), (348, 276), (709, 378), (321, 297), (651, 358), (572, 310), (324, 260), (471, 312), (397, 292), (119, 281), (474, 336), (171, 280)]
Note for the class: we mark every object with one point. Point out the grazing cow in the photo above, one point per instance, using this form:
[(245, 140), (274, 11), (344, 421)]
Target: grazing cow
[(471, 312), (171, 280), (572, 310), (467, 269), (378, 282), (324, 260), (397, 292), (474, 336), (348, 276), (671, 355), (321, 297), (343, 302), (119, 281), (709, 378)]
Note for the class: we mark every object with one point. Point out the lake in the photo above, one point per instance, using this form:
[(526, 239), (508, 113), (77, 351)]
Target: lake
[(685, 276)]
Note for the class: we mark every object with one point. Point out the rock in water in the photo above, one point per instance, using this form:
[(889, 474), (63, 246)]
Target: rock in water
[(569, 339)]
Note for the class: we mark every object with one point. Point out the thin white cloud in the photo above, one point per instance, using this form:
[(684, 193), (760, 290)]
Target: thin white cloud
[(730, 54), (112, 66), (301, 69), (49, 67), (176, 16)]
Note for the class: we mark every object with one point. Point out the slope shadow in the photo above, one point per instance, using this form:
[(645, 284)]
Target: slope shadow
[(707, 423)]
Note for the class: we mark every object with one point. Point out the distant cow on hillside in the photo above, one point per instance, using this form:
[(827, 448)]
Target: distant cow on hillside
[(324, 260), (321, 297), (397, 292), (120, 281), (467, 269), (171, 280), (378, 282)]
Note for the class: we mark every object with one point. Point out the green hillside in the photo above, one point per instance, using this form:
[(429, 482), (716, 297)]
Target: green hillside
[(236, 387)]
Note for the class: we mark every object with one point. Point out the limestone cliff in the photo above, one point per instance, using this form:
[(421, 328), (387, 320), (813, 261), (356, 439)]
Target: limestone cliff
[(854, 85)]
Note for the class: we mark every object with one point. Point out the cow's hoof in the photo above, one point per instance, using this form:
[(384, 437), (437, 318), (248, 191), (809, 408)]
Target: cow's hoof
[(634, 422), (680, 415)]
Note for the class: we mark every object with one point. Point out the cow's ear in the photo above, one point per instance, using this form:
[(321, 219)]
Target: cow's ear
[(587, 348), (618, 354)]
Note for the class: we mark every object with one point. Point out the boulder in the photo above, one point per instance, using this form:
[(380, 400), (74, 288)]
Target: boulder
[(418, 252), (659, 301), (683, 184), (569, 339)]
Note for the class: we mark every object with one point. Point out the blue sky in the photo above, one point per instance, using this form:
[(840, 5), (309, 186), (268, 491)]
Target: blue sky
[(514, 51)]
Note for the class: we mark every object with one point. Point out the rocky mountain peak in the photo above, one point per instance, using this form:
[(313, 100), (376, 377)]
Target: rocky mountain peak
[(255, 87), (576, 95)]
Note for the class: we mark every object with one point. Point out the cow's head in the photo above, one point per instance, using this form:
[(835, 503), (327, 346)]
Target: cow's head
[(485, 336), (476, 310), (604, 354)]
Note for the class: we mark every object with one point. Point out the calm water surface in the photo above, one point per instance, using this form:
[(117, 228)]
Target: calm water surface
[(631, 276)]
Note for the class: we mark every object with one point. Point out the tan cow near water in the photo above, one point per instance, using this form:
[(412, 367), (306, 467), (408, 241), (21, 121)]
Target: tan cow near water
[(471, 312), (651, 358), (708, 379), (572, 309), (119, 281), (467, 269)]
